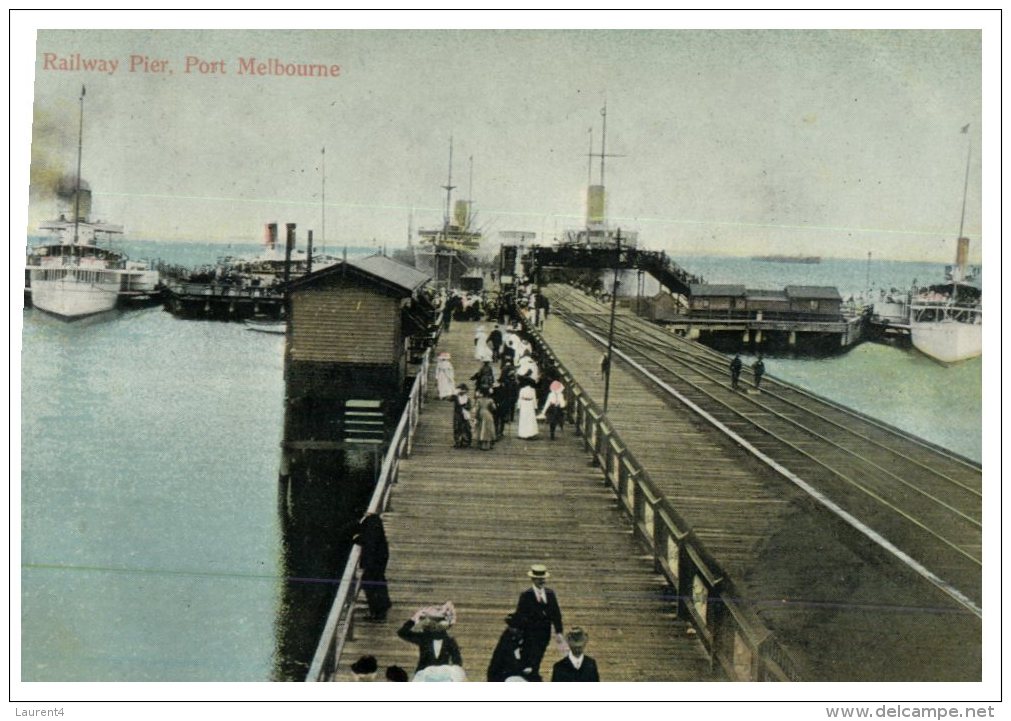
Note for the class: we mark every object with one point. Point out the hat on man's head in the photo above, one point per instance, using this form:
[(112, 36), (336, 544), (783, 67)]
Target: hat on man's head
[(577, 637), (538, 570), (365, 665), (462, 387)]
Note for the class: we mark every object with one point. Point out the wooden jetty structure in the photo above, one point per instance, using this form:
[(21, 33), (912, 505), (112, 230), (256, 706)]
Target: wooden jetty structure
[(796, 317), (841, 533), (827, 548), (465, 525)]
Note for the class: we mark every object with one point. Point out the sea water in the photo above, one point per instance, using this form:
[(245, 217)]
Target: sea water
[(151, 544)]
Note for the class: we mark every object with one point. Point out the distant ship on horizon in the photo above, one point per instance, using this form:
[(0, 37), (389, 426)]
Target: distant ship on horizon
[(810, 259)]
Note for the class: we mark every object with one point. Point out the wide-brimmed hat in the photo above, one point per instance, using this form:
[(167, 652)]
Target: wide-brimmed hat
[(444, 356), (538, 570), (462, 387), (577, 637)]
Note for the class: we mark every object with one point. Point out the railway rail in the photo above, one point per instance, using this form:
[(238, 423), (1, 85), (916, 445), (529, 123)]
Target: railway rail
[(920, 502)]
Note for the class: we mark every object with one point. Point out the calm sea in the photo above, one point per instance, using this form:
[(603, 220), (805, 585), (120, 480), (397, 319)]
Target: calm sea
[(151, 542)]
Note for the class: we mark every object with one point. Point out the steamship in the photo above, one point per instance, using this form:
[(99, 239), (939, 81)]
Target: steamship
[(947, 323), (448, 253), (70, 275)]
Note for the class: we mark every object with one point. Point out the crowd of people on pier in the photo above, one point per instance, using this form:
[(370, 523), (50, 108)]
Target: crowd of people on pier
[(509, 388), (518, 654)]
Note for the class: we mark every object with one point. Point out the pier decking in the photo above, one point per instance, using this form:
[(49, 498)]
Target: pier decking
[(465, 525), (799, 539)]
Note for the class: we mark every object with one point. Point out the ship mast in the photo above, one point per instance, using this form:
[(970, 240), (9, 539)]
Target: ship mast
[(323, 205), (448, 187), (962, 246), (77, 180)]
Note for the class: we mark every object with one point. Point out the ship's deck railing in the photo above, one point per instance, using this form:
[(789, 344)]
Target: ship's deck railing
[(339, 627), (703, 594)]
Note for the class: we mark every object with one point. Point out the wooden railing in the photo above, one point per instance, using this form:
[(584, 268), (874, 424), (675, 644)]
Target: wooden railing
[(339, 627), (732, 633)]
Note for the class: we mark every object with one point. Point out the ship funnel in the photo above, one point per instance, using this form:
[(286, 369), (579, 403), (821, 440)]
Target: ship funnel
[(72, 197), (962, 256), (461, 213), (270, 235), (595, 214)]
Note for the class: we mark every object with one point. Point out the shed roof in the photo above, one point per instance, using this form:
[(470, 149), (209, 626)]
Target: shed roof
[(766, 294), (820, 292), (379, 268), (716, 289)]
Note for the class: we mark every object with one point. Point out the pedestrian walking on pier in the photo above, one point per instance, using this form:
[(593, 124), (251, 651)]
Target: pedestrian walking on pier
[(485, 411), (375, 555), (461, 417), (482, 351), (505, 393), (537, 612), (445, 376), (758, 368), (509, 659), (576, 666), (554, 407), (735, 371), (495, 341), (484, 379), (605, 365), (526, 425), (428, 629)]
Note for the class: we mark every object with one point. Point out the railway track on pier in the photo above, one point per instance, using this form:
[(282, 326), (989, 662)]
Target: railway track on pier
[(919, 502)]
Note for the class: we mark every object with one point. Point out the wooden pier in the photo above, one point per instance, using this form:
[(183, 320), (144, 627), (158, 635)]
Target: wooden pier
[(720, 533), (465, 525)]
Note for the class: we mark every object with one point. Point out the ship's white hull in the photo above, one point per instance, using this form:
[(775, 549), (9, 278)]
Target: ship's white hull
[(947, 341), (71, 297)]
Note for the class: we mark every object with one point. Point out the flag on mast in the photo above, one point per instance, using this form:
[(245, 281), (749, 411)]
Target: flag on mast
[(965, 128)]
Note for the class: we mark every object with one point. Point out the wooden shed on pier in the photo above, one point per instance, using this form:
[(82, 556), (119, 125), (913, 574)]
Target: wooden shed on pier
[(352, 328)]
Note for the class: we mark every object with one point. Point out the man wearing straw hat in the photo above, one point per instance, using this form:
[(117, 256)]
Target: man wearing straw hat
[(537, 612)]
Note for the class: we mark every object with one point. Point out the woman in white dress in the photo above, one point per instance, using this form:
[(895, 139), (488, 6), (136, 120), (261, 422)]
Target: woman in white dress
[(445, 376), (526, 426), (482, 351)]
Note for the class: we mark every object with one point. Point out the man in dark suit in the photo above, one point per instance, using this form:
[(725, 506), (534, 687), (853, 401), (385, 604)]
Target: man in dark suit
[(509, 660), (536, 612), (576, 666)]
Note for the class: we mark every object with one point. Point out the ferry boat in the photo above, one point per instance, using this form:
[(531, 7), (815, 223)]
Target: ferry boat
[(71, 275), (946, 321)]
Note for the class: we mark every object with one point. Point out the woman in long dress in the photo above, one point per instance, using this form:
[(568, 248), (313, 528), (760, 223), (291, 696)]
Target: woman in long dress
[(482, 351), (461, 418), (554, 407), (527, 404), (485, 411), (445, 376)]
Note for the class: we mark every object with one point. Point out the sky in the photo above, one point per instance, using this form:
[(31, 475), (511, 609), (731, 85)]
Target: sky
[(809, 142)]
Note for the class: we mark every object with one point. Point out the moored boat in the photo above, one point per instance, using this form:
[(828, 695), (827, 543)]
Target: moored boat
[(448, 253), (71, 275), (946, 322)]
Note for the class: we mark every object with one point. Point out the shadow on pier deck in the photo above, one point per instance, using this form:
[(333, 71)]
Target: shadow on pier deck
[(465, 525)]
